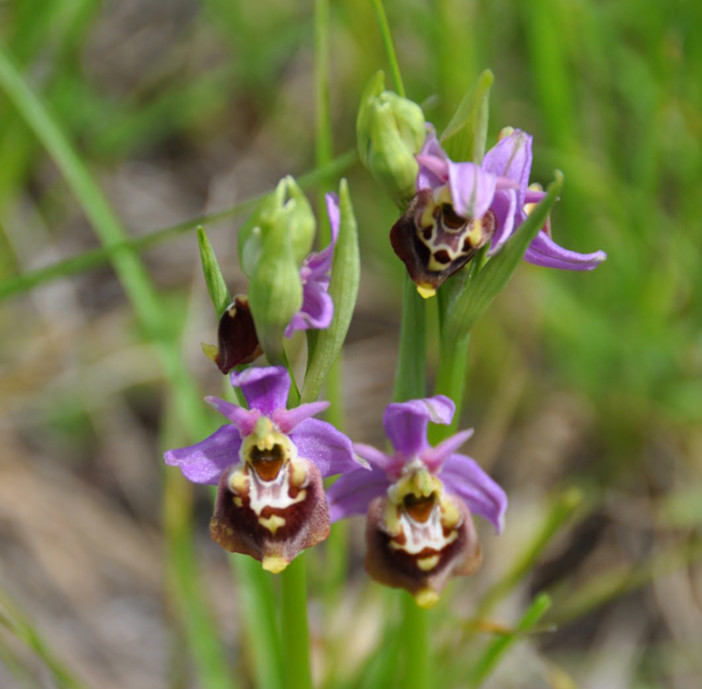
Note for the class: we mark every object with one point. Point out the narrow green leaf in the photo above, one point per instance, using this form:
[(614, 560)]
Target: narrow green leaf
[(217, 288), (325, 345), (479, 292), (465, 135), (22, 628), (18, 284), (563, 507), (500, 645)]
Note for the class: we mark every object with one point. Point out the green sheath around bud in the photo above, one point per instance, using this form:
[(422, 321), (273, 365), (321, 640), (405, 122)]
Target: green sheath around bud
[(390, 131), (286, 207), (275, 290)]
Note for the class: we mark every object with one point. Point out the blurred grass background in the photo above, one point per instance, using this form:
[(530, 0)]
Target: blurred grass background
[(585, 381)]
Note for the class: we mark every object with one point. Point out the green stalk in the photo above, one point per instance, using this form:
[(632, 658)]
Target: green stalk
[(415, 630), (337, 543), (410, 377), (389, 47), (499, 646), (450, 381), (294, 627), (562, 508), (259, 617), (410, 382), (18, 284)]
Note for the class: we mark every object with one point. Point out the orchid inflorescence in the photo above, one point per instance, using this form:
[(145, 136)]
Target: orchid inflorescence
[(270, 458)]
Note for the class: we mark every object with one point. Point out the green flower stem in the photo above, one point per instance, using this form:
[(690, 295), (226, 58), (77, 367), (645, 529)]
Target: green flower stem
[(410, 377), (200, 628), (337, 543), (294, 628), (410, 382), (260, 620), (450, 381), (415, 630), (389, 47)]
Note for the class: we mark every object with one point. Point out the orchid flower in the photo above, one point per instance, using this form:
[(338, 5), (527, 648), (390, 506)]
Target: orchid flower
[(236, 333), (461, 207), (268, 463), (419, 502)]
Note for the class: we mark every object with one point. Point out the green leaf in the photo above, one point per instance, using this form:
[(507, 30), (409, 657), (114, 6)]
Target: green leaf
[(477, 294), (217, 288), (325, 345), (465, 135), (500, 645)]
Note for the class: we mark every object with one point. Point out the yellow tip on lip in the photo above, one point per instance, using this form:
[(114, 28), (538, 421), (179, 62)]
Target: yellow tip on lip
[(274, 564), (209, 350), (425, 291), (426, 598)]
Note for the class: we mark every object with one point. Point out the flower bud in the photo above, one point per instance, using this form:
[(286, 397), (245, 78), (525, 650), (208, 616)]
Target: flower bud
[(287, 207), (275, 289), (390, 131)]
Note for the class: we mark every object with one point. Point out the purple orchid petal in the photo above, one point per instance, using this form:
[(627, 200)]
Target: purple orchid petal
[(406, 422), (504, 206), (317, 309), (543, 251), (463, 476), (433, 163), (352, 493), (534, 196), (390, 464), (434, 457), (317, 306), (511, 157), (265, 389), (243, 419), (287, 419), (319, 442), (472, 189), (205, 462), (320, 263)]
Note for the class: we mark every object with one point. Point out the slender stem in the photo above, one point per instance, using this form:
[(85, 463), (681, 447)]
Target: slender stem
[(389, 47), (18, 284), (450, 381), (415, 629), (323, 124), (294, 628), (260, 619), (500, 645), (410, 382), (410, 377)]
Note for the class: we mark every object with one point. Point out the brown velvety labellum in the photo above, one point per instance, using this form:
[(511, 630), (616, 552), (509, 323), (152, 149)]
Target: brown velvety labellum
[(238, 528), (237, 342), (434, 242), (395, 567)]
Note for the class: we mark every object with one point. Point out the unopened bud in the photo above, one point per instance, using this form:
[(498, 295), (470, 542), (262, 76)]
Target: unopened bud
[(390, 131)]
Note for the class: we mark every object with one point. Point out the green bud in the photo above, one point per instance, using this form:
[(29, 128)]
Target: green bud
[(275, 289), (286, 207), (390, 131)]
